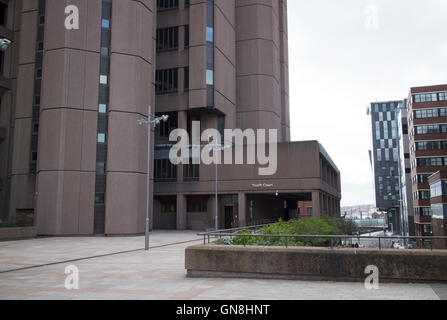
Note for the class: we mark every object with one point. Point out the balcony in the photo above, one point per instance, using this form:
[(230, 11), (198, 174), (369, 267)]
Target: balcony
[(422, 219)]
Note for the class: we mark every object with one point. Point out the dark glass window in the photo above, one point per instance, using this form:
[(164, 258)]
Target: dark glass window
[(191, 172), (164, 170), (186, 37), (167, 4), (196, 204), (167, 39), (186, 79), (166, 81), (3, 14)]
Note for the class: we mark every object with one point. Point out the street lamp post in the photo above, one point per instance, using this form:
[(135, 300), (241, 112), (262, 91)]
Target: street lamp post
[(215, 149), (151, 124)]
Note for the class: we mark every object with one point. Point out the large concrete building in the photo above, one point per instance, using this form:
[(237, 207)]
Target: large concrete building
[(72, 152)]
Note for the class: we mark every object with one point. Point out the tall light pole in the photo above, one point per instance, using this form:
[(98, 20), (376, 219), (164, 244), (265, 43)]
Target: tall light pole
[(151, 124), (215, 149)]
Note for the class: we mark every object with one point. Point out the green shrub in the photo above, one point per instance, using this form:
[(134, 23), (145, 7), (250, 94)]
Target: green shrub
[(310, 226)]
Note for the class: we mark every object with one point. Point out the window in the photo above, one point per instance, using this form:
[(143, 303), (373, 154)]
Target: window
[(423, 212), (103, 79), (167, 39), (191, 172), (101, 138), (186, 37), (431, 162), (2, 62), (105, 23), (439, 189), (431, 129), (102, 108), (104, 51), (196, 204), (164, 170), (431, 145), (209, 34), (309, 211), (100, 198), (3, 14), (186, 79), (164, 129), (426, 97), (442, 96), (167, 4), (100, 168), (166, 81), (210, 77)]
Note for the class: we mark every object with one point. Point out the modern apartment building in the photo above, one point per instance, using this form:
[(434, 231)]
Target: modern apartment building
[(438, 192), (406, 194), (427, 119), (72, 152), (385, 134)]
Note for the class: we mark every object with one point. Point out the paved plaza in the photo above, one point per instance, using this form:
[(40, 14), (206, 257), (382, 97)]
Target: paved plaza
[(30, 269)]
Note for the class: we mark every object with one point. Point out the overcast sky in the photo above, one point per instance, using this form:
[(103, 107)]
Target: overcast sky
[(342, 57)]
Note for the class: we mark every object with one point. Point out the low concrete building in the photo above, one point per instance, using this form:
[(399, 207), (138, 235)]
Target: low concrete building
[(305, 174)]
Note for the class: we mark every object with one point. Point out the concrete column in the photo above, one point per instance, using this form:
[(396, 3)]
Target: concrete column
[(242, 212), (181, 212), (316, 209)]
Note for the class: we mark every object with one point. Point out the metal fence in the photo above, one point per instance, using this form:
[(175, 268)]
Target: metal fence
[(333, 240)]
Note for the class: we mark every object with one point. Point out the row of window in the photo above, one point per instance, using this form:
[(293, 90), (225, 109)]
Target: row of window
[(430, 129), (164, 170), (421, 195), (423, 212), (387, 154), (430, 113), (430, 145), (167, 81), (430, 97), (439, 189), (196, 204), (420, 178), (170, 4), (167, 4), (429, 162)]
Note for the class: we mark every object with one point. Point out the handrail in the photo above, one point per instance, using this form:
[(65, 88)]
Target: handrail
[(228, 233)]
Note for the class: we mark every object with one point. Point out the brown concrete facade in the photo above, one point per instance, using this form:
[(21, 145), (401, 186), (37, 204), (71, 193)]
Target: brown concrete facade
[(71, 149)]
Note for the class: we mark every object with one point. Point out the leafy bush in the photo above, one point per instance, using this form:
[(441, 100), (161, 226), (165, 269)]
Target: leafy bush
[(310, 226)]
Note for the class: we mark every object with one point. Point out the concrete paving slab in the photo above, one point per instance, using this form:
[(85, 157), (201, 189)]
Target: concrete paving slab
[(159, 274)]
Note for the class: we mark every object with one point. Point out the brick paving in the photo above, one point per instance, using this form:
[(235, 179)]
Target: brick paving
[(159, 274)]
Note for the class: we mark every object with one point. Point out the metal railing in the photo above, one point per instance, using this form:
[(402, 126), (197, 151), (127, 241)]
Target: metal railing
[(333, 240)]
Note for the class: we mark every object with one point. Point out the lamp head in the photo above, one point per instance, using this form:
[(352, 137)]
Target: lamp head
[(4, 44)]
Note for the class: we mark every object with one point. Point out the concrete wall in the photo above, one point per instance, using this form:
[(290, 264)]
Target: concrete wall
[(17, 233), (314, 263)]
